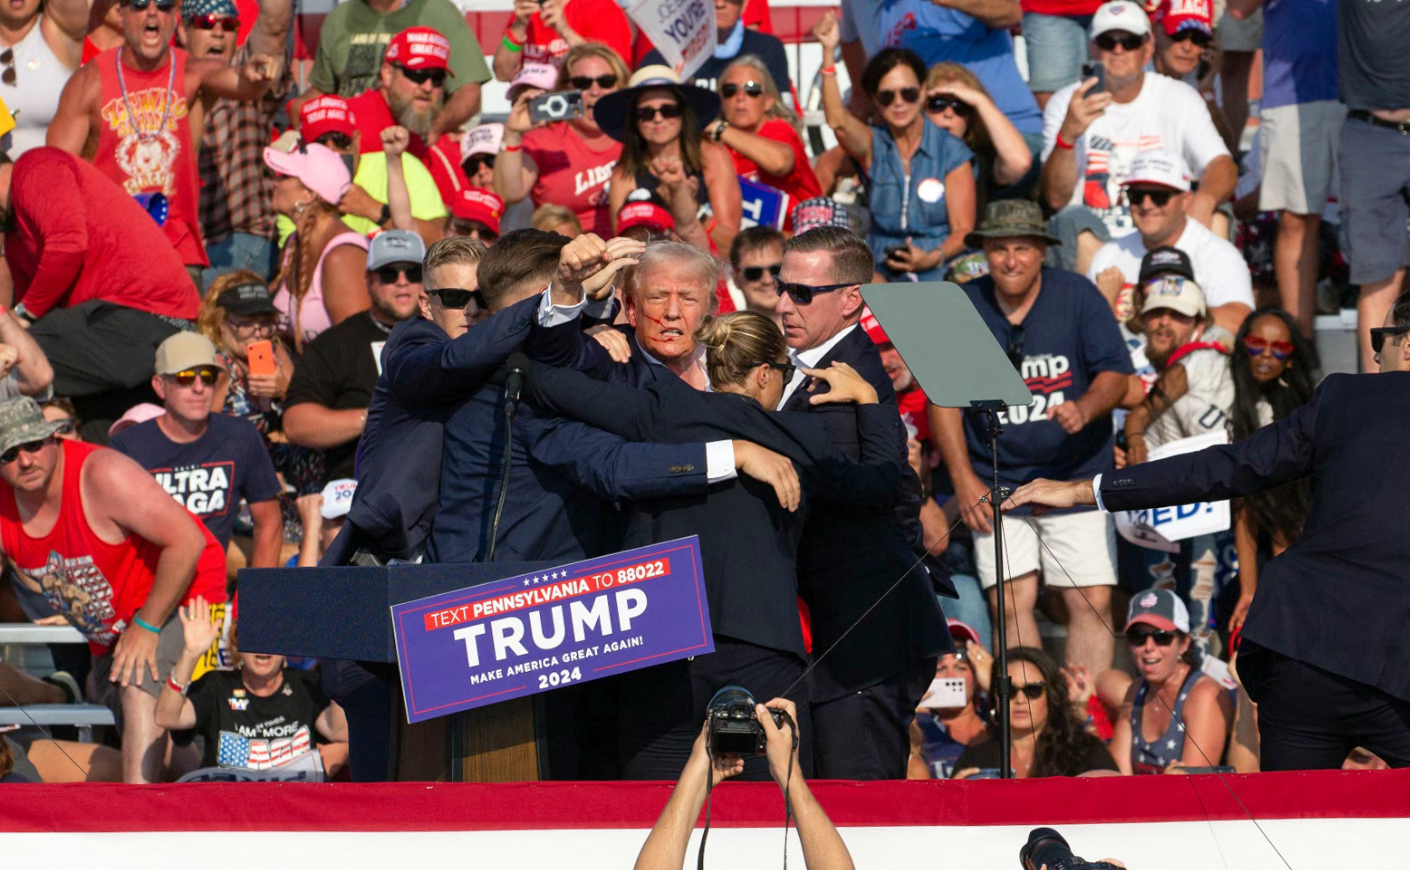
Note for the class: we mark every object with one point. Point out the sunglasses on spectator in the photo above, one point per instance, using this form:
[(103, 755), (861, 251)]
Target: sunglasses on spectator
[(188, 377), (1256, 346), (1198, 37), (753, 89), (756, 273), (1379, 333), (907, 95), (211, 21), (66, 427), (1137, 637), (28, 447), (473, 164), (1018, 337), (938, 103), (458, 297), (335, 140), (250, 327), (162, 5), (1129, 41), (7, 57), (786, 369), (1138, 195), (388, 274), (667, 111), (802, 294), (583, 83), (437, 77), (1033, 691)]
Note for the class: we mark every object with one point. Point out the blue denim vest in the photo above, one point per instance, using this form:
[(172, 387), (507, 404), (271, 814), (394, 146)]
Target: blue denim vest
[(900, 206)]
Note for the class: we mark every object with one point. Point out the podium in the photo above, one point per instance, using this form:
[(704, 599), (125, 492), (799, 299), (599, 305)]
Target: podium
[(345, 613)]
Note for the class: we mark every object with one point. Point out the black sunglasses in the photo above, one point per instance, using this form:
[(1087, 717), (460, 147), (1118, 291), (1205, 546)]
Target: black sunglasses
[(335, 140), (802, 294), (753, 89), (1138, 195), (7, 57), (388, 274), (458, 297), (437, 77), (667, 111), (583, 83), (207, 375), (28, 447), (475, 161), (1379, 333), (939, 102), (907, 95), (1033, 691), (1198, 37), (1137, 637), (786, 369), (1018, 337), (756, 273), (1128, 41), (162, 5)]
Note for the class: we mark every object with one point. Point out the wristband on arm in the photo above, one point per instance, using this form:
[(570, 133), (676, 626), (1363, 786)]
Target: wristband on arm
[(139, 621)]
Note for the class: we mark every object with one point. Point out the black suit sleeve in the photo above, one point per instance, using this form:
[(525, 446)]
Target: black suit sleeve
[(430, 371), (1269, 458), (624, 411), (874, 477)]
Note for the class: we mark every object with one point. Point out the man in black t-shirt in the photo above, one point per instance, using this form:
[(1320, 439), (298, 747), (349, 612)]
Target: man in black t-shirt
[(326, 405), (207, 462)]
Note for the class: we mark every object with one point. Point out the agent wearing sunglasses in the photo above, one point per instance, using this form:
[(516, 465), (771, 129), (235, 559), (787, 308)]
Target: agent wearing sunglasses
[(758, 130), (922, 189), (1158, 193), (1079, 165), (146, 68), (1174, 715), (117, 556)]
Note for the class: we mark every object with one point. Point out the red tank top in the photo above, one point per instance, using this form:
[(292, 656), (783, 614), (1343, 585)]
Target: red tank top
[(97, 585), (158, 155), (572, 174)]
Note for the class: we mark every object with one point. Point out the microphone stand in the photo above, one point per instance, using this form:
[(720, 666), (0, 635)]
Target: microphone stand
[(1003, 685)]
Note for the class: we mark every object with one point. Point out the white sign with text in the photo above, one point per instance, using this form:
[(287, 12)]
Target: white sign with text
[(1160, 528)]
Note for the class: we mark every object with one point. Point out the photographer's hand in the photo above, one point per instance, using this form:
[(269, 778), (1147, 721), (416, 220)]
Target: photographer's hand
[(665, 848), (782, 746), (823, 848)]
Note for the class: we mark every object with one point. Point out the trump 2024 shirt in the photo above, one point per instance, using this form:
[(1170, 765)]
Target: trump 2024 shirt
[(1068, 337), (210, 475)]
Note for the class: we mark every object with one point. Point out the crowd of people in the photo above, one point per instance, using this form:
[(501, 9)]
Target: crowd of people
[(254, 318)]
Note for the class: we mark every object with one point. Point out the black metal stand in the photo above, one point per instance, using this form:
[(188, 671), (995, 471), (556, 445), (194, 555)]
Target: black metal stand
[(1003, 686)]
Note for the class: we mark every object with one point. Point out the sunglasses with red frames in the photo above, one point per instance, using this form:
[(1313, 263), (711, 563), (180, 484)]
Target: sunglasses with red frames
[(212, 21), (1256, 346), (207, 375)]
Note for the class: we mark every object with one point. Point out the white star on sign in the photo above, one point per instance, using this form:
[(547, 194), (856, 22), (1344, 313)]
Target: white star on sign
[(526, 581)]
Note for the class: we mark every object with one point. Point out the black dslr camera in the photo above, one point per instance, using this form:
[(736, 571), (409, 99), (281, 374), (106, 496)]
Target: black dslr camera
[(733, 729), (1046, 846)]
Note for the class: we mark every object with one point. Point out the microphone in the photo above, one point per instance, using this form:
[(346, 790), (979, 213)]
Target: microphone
[(514, 385)]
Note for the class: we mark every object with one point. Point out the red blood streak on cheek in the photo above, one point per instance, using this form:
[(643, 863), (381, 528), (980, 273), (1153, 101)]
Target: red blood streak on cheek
[(656, 338)]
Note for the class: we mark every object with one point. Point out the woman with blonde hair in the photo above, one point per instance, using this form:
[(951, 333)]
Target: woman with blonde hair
[(761, 133), (749, 527), (564, 162), (956, 102)]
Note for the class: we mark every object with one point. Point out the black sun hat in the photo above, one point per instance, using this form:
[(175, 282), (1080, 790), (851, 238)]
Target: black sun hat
[(612, 109)]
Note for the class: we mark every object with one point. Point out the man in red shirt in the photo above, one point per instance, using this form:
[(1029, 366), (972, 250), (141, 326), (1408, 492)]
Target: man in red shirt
[(542, 32), (133, 111), (411, 92), (99, 538), (95, 279)]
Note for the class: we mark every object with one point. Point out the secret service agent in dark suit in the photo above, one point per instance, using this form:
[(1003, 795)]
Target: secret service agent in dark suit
[(748, 543), (1325, 650), (867, 679)]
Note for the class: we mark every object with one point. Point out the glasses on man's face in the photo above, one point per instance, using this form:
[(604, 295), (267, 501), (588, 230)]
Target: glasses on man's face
[(1031, 691), (756, 273), (1256, 346), (938, 103), (785, 369), (907, 95), (162, 5), (1018, 337), (1158, 198), (458, 297), (188, 377), (583, 83), (667, 111), (437, 77), (1198, 37), (802, 294), (7, 57), (389, 274), (1137, 637), (1379, 333), (731, 90), (212, 21), (1129, 41), (335, 140), (28, 447)]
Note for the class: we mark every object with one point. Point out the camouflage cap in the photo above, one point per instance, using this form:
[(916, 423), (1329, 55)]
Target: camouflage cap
[(1009, 219), (21, 421)]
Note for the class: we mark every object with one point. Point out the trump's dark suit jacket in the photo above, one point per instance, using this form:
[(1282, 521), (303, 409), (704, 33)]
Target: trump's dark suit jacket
[(1339, 597)]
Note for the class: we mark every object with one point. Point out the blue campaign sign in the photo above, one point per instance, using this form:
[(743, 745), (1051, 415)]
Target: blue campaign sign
[(764, 206), (527, 634)]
